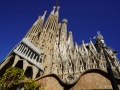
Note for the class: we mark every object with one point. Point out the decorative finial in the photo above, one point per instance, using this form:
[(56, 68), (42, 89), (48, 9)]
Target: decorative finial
[(75, 43), (99, 36), (70, 32), (98, 33), (82, 41), (45, 12), (54, 7), (44, 15), (64, 21), (53, 10), (57, 12), (58, 7)]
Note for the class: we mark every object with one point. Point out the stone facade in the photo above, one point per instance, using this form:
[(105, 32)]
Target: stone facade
[(87, 81), (50, 83), (92, 81), (47, 49)]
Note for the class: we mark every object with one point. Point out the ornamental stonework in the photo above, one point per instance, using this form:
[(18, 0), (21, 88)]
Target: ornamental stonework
[(48, 54)]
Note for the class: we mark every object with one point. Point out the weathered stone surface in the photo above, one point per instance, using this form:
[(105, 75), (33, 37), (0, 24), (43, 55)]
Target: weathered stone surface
[(50, 83), (87, 81), (92, 81)]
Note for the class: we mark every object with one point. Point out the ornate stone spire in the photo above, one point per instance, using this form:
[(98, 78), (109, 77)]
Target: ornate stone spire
[(53, 11), (43, 17), (63, 31), (91, 43), (76, 46), (70, 39), (84, 47), (57, 12)]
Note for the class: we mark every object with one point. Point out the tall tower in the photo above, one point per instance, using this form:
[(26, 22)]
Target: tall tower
[(35, 31), (33, 51)]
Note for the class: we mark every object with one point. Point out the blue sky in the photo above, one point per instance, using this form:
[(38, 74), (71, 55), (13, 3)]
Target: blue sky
[(85, 18)]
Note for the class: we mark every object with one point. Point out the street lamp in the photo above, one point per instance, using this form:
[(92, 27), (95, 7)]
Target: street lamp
[(100, 41)]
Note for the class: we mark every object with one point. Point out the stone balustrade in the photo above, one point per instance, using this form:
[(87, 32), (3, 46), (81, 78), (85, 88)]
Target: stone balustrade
[(27, 52)]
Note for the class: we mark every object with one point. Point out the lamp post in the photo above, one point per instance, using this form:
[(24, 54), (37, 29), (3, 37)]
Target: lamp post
[(101, 44)]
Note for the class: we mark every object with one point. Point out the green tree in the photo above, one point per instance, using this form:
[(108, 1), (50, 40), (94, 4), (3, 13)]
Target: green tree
[(11, 77), (31, 85)]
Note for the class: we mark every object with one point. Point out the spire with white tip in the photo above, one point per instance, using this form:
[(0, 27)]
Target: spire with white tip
[(76, 46), (84, 47), (53, 11), (39, 17), (57, 12), (91, 43), (70, 39), (43, 17)]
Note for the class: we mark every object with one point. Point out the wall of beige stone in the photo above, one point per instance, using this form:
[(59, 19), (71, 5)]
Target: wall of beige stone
[(87, 81), (50, 83), (92, 81)]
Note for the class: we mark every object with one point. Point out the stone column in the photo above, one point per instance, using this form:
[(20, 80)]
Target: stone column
[(25, 64), (16, 60), (35, 72)]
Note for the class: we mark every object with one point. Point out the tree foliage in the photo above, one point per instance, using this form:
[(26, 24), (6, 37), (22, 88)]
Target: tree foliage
[(32, 85), (12, 77)]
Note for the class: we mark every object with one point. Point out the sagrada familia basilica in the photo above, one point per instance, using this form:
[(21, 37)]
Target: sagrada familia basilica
[(48, 54)]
